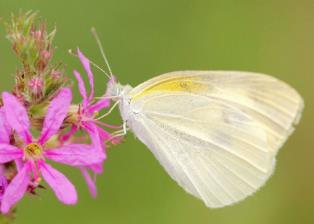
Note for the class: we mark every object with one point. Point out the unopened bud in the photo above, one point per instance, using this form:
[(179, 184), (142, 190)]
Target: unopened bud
[(45, 55), (55, 74), (37, 34), (36, 87)]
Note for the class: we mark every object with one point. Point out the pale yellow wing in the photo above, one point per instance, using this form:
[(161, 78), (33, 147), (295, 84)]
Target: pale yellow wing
[(273, 104)]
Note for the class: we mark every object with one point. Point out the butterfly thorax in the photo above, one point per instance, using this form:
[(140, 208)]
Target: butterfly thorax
[(117, 91), (120, 93)]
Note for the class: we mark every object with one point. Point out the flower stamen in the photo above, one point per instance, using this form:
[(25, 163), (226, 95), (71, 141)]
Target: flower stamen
[(33, 151)]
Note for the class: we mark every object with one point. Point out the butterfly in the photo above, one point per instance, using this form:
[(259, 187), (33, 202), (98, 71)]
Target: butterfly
[(216, 133)]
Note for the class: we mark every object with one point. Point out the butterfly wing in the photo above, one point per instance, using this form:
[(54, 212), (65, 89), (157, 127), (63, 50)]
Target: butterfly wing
[(272, 103), (215, 133)]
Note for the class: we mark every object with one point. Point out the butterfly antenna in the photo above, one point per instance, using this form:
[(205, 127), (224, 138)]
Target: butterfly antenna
[(94, 32), (92, 63)]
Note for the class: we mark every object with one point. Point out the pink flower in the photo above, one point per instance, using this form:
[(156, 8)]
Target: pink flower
[(34, 152), (86, 113), (84, 118)]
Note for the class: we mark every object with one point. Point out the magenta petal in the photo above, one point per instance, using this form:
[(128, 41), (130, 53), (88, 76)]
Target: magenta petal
[(97, 168), (63, 188), (4, 127), (92, 130), (105, 102), (97, 141), (9, 153), (89, 72), (16, 189), (57, 111), (90, 183), (100, 104), (2, 170), (19, 164), (16, 116), (104, 135), (69, 134), (81, 87), (3, 185), (75, 155)]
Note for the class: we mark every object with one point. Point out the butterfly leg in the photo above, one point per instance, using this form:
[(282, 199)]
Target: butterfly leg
[(119, 133), (109, 111), (125, 128)]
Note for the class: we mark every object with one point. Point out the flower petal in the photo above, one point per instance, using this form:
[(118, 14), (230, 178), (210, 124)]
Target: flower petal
[(16, 189), (75, 155), (57, 111), (105, 102), (19, 163), (2, 170), (16, 116), (3, 186), (9, 153), (81, 87), (92, 130), (89, 72), (3, 181), (97, 168), (90, 183), (4, 128), (99, 105), (63, 188), (69, 134), (104, 135)]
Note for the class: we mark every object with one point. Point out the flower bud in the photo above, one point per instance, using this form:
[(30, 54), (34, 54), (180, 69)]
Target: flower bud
[(45, 55), (55, 74), (36, 87)]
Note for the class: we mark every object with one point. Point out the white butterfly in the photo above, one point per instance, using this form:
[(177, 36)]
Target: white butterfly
[(215, 132)]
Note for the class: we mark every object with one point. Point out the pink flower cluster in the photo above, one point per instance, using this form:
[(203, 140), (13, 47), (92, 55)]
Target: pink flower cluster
[(31, 154)]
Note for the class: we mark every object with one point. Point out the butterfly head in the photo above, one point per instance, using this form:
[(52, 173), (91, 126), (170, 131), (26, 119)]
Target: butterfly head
[(117, 91)]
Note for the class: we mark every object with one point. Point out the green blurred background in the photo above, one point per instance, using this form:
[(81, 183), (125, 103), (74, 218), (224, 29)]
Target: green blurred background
[(144, 38)]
